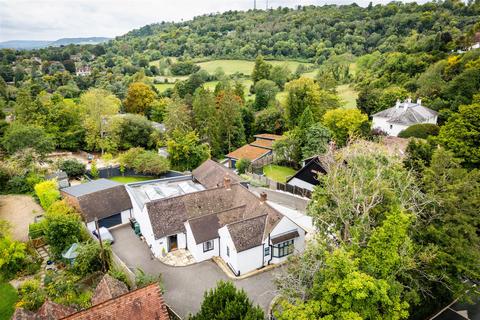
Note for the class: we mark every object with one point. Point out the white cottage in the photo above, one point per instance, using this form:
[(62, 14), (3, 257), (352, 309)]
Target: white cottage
[(227, 221), (403, 115)]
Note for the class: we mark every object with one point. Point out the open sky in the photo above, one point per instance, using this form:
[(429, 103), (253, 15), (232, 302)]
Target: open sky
[(54, 19)]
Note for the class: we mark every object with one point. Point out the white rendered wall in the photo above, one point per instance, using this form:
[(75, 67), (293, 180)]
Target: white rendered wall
[(250, 260), (226, 240), (382, 124), (197, 249), (284, 226)]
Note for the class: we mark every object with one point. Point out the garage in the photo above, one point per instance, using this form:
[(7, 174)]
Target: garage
[(103, 200), (110, 221)]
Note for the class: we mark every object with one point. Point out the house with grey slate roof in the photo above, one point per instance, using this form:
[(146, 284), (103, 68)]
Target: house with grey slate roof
[(218, 216), (102, 199), (403, 115)]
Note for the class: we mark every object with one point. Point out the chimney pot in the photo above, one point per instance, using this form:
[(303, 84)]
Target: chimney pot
[(263, 196), (227, 182), (419, 102)]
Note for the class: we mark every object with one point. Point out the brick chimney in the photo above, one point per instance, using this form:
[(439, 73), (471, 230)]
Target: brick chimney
[(227, 183), (263, 197)]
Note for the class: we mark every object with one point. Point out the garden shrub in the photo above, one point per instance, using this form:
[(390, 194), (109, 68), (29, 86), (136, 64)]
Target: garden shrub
[(89, 258), (12, 257), (31, 295), (47, 193), (64, 288), (120, 276), (422, 131), (242, 165), (63, 227), (72, 167)]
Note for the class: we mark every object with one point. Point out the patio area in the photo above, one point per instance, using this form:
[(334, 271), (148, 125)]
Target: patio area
[(178, 258)]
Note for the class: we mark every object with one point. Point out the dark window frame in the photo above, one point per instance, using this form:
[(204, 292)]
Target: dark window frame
[(228, 251), (266, 251), (284, 248), (207, 248)]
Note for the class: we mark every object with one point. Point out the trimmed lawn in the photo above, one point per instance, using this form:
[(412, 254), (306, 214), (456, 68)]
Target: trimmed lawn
[(130, 179), (164, 86), (278, 173), (348, 95), (8, 298)]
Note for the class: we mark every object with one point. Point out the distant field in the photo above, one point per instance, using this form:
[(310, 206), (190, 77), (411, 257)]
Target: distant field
[(348, 95), (243, 66), (164, 86)]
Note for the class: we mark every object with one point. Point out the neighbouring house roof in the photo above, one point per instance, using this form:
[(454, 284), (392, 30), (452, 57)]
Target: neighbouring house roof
[(309, 172), (228, 204), (285, 237), (48, 311), (53, 311), (91, 187), (268, 136), (262, 143), (211, 174), (143, 303), (249, 152), (23, 314), (395, 145), (407, 113), (108, 288), (248, 233), (100, 198)]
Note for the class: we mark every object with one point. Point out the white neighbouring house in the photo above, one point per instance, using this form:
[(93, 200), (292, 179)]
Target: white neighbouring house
[(217, 216), (403, 115)]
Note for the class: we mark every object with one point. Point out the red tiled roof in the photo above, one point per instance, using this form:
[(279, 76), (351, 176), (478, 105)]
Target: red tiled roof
[(262, 143), (145, 303), (108, 288), (248, 152), (268, 136)]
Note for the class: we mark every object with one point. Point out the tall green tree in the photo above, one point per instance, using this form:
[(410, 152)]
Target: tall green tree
[(186, 150), (303, 93), (99, 106), (265, 94), (19, 137), (205, 119), (227, 302), (261, 69), (345, 124), (232, 132), (139, 98), (461, 135)]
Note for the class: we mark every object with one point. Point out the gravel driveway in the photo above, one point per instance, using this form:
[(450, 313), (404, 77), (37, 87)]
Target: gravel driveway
[(20, 211), (185, 286)]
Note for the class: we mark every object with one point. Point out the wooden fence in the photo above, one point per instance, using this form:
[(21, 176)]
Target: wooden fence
[(265, 181)]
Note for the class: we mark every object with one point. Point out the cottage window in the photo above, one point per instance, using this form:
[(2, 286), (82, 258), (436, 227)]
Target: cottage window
[(267, 251), (228, 251), (283, 249), (391, 126), (208, 246)]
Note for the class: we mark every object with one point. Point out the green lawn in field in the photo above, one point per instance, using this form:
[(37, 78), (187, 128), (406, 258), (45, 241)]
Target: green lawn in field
[(129, 179), (278, 173), (243, 66), (8, 298), (163, 86), (348, 95)]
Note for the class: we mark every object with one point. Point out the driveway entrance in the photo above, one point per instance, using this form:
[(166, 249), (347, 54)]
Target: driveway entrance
[(185, 286)]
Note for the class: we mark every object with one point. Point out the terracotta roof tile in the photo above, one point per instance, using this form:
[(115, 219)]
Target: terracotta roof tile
[(262, 143), (268, 136), (145, 303), (53, 311), (107, 289), (23, 314), (248, 152)]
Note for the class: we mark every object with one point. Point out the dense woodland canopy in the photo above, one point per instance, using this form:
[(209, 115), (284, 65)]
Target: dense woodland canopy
[(403, 233)]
